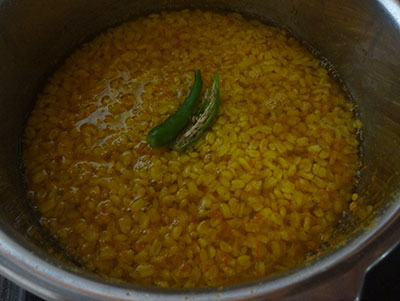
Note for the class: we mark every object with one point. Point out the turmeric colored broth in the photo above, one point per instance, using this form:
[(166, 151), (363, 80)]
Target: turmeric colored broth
[(264, 187)]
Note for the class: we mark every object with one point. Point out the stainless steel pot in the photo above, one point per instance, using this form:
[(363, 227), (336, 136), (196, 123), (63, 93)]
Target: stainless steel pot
[(360, 37)]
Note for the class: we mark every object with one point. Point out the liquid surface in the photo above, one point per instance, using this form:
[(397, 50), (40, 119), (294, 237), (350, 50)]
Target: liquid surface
[(263, 188)]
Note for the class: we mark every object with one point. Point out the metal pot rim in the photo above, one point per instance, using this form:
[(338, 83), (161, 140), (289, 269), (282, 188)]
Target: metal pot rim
[(52, 282)]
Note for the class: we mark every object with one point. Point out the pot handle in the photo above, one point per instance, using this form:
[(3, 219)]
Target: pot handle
[(344, 286), (345, 281)]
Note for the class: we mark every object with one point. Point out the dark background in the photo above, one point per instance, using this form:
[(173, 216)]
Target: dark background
[(382, 283)]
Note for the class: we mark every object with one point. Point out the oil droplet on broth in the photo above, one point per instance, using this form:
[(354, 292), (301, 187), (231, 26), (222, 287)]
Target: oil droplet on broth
[(110, 96), (127, 93)]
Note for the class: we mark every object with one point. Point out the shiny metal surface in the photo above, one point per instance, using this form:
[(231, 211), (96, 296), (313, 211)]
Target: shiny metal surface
[(360, 37)]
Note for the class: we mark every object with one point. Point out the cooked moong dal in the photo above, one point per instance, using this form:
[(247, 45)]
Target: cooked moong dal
[(264, 187)]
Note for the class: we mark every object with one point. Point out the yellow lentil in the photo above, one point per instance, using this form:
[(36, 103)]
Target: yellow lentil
[(257, 193)]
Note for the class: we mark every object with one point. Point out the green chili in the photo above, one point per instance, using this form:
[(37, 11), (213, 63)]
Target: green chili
[(167, 131), (201, 120)]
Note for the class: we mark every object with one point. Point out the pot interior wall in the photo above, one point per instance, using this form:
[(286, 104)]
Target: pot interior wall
[(356, 36)]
